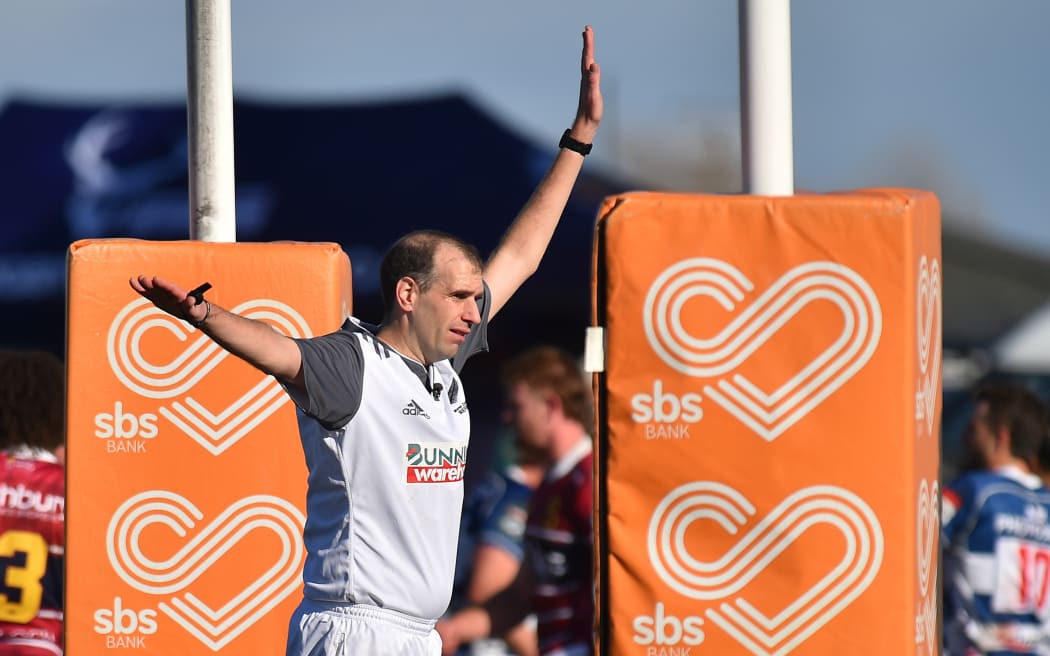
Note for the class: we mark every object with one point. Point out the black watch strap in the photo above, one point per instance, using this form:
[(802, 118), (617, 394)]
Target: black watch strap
[(578, 146)]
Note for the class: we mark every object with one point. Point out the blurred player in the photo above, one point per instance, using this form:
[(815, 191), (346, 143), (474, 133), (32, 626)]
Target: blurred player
[(32, 503), (491, 547), (996, 533), (549, 404)]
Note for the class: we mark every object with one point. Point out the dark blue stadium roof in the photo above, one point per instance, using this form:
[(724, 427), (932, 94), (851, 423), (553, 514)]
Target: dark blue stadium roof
[(358, 174)]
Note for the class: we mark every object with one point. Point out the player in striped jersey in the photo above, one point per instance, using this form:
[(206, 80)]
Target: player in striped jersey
[(996, 533), (550, 406), (491, 547), (32, 503)]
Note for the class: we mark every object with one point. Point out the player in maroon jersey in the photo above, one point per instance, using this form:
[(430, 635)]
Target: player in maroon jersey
[(32, 503), (549, 405)]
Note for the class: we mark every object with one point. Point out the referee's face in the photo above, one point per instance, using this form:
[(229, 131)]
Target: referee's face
[(446, 311)]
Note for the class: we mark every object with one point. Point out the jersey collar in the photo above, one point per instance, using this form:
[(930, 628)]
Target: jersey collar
[(26, 452), (1015, 473), (570, 459)]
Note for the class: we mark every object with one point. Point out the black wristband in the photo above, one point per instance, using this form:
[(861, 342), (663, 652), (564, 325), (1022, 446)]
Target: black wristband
[(207, 315), (577, 146), (197, 294)]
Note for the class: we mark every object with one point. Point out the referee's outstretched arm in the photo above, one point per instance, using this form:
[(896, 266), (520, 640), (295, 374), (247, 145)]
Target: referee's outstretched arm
[(253, 341)]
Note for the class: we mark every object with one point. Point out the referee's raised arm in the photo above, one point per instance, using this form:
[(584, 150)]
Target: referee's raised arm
[(525, 241)]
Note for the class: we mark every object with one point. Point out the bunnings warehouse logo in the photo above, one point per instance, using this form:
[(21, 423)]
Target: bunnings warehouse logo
[(435, 463)]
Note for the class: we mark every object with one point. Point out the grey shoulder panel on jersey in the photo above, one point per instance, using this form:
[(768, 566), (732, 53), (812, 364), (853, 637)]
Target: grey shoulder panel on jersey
[(333, 372), (478, 339), (333, 366)]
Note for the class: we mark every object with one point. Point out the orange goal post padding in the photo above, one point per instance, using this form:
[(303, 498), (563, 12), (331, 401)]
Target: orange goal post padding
[(186, 480), (768, 423)]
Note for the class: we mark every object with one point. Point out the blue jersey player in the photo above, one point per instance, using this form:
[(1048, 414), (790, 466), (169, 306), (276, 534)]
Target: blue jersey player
[(996, 533)]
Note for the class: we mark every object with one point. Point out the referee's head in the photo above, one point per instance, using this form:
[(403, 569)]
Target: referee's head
[(431, 286)]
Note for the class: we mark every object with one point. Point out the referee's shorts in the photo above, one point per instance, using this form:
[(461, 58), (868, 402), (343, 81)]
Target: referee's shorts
[(334, 629)]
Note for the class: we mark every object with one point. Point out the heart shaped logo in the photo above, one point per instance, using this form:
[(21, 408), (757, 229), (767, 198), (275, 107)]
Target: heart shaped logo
[(214, 429), (173, 576), (928, 342), (927, 531), (778, 631), (768, 412)]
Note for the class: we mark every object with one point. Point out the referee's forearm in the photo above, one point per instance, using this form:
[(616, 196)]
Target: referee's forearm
[(255, 342)]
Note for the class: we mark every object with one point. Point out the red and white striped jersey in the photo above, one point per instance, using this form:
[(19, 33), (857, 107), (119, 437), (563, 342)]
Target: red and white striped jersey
[(558, 541)]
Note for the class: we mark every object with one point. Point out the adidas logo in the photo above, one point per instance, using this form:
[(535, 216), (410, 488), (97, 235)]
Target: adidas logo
[(460, 409), (413, 409)]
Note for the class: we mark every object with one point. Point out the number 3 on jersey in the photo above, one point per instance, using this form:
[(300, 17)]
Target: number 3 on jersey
[(23, 561), (1023, 583)]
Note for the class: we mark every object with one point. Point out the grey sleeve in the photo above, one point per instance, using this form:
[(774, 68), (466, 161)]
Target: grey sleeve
[(478, 339), (333, 371)]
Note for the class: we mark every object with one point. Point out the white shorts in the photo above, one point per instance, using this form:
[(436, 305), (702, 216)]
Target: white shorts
[(331, 629)]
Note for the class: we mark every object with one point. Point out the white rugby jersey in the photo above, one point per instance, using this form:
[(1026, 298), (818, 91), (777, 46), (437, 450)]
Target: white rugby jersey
[(386, 455)]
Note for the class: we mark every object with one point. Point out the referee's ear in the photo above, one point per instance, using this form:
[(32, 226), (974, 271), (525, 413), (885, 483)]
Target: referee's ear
[(406, 293)]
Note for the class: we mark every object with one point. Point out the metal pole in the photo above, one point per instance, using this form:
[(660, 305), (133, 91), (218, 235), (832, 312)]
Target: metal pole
[(765, 97), (209, 113)]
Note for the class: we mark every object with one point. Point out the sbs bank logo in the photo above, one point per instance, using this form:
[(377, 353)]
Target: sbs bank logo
[(928, 330), (215, 429), (927, 532), (173, 576), (767, 412), (760, 542)]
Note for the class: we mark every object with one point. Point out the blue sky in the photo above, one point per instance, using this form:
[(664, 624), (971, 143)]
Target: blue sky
[(947, 95)]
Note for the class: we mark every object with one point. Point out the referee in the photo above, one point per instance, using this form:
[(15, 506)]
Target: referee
[(383, 416)]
